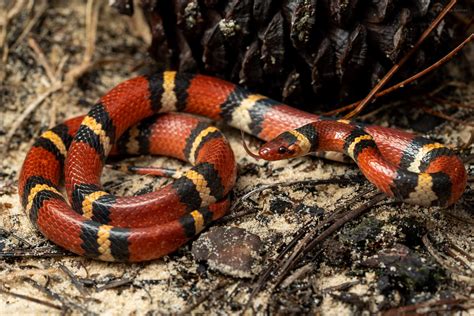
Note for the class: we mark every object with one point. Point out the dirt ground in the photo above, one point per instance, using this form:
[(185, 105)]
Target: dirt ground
[(393, 257)]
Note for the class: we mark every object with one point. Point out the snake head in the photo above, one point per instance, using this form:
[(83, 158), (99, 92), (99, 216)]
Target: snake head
[(284, 146)]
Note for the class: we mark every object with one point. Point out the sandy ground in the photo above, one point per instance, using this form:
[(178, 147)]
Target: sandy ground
[(335, 278)]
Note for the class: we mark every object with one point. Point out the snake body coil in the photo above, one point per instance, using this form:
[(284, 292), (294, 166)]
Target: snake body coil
[(111, 228)]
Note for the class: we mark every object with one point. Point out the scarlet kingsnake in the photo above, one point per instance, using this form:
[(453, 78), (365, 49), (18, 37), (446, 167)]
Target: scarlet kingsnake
[(111, 228)]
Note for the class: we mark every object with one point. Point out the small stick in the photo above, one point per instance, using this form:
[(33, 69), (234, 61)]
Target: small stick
[(427, 70), (92, 16), (41, 8), (33, 253), (450, 103), (340, 287), (31, 299), (412, 309), (41, 59), (436, 255), (114, 284), (55, 296), (8, 233), (74, 279), (398, 65)]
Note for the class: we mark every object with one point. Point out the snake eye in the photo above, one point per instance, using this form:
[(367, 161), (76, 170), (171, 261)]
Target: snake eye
[(282, 150)]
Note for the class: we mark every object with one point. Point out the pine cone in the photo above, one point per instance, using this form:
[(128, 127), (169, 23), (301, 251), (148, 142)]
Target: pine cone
[(308, 53)]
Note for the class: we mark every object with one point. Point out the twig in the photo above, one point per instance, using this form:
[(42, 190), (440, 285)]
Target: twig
[(41, 59), (41, 8), (74, 279), (273, 265), (409, 80), (334, 215), (8, 233), (299, 273), (31, 299), (450, 103), (427, 70), (412, 309), (56, 296), (340, 287), (454, 255), (398, 65), (435, 254), (13, 275), (446, 117), (92, 17), (114, 284), (32, 253), (462, 252)]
